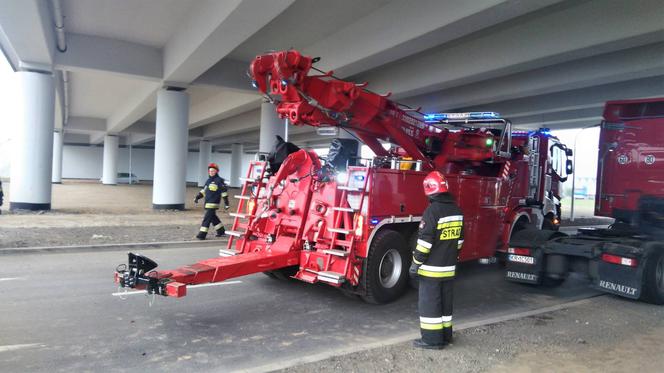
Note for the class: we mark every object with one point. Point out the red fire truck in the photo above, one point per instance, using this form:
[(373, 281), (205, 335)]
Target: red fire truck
[(350, 222), (627, 259)]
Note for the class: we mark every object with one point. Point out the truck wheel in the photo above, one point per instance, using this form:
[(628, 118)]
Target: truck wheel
[(386, 274), (653, 283), (282, 273)]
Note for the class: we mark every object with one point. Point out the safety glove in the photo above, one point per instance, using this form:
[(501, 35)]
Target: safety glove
[(412, 271)]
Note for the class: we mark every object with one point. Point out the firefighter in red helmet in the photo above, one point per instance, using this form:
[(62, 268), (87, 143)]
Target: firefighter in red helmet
[(214, 190), (434, 262)]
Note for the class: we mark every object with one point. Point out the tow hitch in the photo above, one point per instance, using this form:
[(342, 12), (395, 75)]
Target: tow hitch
[(138, 274)]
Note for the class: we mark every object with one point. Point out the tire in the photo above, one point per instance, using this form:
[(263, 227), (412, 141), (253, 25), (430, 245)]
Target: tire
[(653, 278), (386, 274), (283, 273)]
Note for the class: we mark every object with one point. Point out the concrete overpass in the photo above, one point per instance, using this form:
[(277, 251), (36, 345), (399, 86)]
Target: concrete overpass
[(170, 74)]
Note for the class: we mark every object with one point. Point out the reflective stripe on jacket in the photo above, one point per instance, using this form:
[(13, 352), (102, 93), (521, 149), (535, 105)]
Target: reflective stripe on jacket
[(439, 239)]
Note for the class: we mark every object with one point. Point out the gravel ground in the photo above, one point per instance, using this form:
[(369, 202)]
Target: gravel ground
[(87, 213), (31, 237), (606, 334)]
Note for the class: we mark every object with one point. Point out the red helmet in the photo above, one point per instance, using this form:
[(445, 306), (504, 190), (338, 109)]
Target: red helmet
[(434, 183), (213, 165)]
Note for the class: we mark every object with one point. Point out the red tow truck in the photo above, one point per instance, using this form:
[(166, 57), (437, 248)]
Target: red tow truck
[(627, 258), (351, 222)]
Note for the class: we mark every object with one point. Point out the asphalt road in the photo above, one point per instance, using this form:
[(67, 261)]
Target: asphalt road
[(58, 315)]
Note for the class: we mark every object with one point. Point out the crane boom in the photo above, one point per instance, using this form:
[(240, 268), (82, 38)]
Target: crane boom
[(322, 100)]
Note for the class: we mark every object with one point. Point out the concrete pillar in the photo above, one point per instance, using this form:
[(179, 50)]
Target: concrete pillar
[(204, 154), (271, 126), (110, 165), (170, 150), (32, 142), (236, 165), (58, 139)]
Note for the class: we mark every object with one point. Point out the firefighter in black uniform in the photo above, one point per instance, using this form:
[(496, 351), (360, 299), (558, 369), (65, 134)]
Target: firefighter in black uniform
[(2, 196), (434, 262), (214, 190)]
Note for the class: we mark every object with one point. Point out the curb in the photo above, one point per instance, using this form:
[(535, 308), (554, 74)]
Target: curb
[(109, 247), (271, 367)]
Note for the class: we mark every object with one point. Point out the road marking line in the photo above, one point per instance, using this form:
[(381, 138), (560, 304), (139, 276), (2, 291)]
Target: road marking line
[(10, 278), (18, 347), (405, 338), (122, 293)]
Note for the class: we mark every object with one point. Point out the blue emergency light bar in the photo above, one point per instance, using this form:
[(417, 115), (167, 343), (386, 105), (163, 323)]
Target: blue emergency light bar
[(437, 117)]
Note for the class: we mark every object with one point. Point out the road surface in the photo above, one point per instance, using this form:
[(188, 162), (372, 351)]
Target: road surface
[(58, 315)]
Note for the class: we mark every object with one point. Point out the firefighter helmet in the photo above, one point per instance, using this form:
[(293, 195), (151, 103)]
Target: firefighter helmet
[(434, 183), (213, 165)]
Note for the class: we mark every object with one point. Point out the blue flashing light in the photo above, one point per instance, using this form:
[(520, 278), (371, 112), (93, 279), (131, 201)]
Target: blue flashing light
[(436, 117), (358, 177), (254, 84), (545, 131), (284, 82), (374, 221)]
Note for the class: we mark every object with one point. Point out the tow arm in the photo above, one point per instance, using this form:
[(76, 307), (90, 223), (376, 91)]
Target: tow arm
[(139, 273)]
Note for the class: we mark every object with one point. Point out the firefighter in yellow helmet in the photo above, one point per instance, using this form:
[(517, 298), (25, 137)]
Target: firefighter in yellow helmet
[(434, 262), (214, 191)]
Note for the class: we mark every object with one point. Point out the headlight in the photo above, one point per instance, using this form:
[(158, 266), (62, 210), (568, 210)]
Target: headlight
[(342, 178)]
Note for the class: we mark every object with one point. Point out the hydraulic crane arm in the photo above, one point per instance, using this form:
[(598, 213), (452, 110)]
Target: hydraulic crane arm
[(322, 100)]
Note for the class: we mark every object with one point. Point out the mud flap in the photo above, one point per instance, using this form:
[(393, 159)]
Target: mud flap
[(525, 268), (618, 279), (526, 256)]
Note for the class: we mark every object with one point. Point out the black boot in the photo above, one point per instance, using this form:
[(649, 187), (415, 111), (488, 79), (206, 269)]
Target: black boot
[(221, 232), (419, 343), (201, 235)]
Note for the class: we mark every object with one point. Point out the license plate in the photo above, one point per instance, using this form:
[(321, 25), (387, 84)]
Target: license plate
[(521, 259)]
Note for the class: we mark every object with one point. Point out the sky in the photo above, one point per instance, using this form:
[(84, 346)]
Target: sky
[(586, 140)]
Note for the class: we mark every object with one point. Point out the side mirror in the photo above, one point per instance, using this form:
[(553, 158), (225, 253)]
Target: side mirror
[(569, 168), (568, 152)]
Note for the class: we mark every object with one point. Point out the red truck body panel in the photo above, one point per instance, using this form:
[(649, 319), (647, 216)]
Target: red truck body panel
[(631, 156)]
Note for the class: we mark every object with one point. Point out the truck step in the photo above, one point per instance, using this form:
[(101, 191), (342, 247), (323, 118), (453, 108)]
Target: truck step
[(348, 188), (235, 233), (250, 180), (240, 215), (242, 197), (340, 253), (331, 277), (346, 209), (328, 276), (338, 230), (224, 252)]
